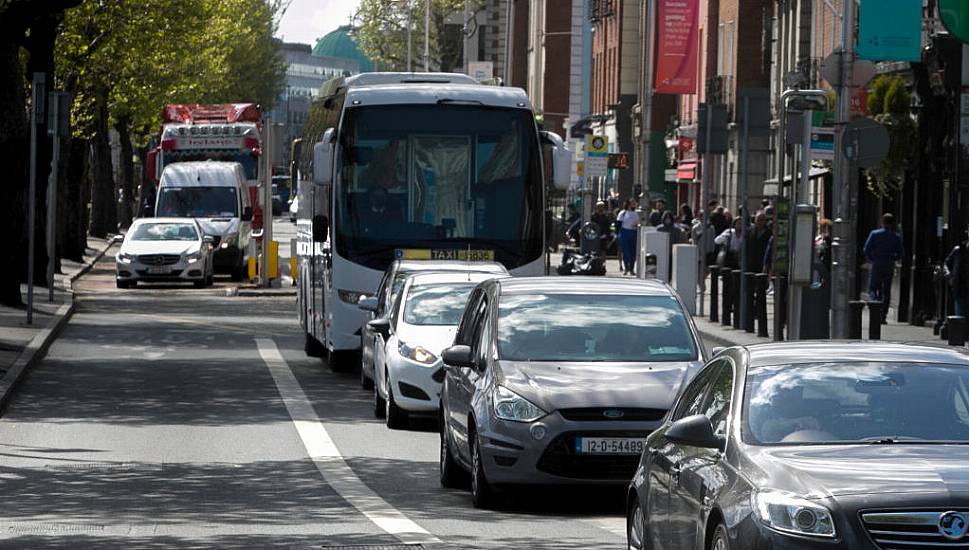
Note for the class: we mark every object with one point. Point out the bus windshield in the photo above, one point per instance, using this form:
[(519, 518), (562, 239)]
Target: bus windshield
[(438, 177)]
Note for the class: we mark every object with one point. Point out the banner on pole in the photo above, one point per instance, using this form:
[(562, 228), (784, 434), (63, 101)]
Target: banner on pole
[(676, 47), (890, 30)]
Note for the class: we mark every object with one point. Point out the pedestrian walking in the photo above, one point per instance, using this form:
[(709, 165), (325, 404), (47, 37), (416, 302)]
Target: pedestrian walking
[(957, 274), (604, 221), (669, 225), (656, 215), (628, 221), (882, 249), (760, 236), (731, 242)]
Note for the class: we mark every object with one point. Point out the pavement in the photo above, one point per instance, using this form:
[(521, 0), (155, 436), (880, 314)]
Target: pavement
[(22, 344), (172, 417)]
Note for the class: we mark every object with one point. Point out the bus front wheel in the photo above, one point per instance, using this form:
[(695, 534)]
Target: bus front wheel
[(313, 347)]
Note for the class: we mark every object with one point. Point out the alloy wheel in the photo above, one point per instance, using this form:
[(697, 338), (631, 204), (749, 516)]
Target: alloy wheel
[(635, 532)]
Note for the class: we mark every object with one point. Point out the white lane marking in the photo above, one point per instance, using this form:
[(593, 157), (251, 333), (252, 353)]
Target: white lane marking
[(327, 457)]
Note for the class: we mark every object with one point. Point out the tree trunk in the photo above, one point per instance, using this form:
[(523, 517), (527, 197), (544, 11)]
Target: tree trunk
[(14, 152), (126, 207), (74, 192), (104, 219)]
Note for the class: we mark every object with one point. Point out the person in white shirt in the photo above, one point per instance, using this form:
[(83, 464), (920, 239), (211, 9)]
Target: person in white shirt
[(628, 221), (732, 240)]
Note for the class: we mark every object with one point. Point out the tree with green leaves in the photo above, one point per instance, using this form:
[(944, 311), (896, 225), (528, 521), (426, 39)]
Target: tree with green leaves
[(383, 28), (889, 103)]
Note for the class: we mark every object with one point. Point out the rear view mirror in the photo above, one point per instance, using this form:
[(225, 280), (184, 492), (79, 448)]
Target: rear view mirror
[(323, 153), (561, 161), (458, 356), (208, 239), (368, 304), (695, 431), (321, 228), (246, 214)]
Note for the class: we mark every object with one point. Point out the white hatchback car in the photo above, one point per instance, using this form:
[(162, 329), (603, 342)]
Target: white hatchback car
[(407, 353), (165, 250)]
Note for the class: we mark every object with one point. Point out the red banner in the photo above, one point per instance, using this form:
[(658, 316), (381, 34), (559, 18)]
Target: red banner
[(676, 47)]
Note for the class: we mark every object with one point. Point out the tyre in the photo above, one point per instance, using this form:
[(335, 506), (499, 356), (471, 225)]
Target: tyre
[(313, 347), (452, 476), (342, 361), (720, 541), (199, 284), (482, 495), (636, 528), (210, 280), (379, 406), (123, 284), (238, 271), (396, 416)]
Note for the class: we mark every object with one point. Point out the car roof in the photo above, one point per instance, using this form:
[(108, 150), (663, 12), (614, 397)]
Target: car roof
[(584, 285), (450, 265), (842, 351), (439, 277)]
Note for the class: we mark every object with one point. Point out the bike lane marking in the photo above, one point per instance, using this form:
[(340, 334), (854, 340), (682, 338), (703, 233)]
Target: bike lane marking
[(327, 458)]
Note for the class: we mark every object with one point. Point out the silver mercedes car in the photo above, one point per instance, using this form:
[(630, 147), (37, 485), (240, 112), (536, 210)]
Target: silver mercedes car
[(556, 380)]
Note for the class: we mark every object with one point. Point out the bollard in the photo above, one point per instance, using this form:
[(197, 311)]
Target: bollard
[(761, 304), (874, 320), (957, 330), (714, 291), (727, 302), (735, 297), (780, 294), (749, 301), (855, 309)]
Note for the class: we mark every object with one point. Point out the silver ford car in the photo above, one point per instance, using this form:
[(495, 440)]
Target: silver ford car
[(557, 380)]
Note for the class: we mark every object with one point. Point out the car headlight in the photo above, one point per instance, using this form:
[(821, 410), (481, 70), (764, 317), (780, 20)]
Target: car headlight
[(416, 353), (229, 240), (125, 257), (193, 257), (351, 296), (511, 406), (790, 514)]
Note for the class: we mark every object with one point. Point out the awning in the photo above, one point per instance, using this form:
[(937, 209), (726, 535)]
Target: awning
[(686, 171), (771, 187)]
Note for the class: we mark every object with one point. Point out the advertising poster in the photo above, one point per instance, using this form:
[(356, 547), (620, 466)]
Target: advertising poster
[(676, 47)]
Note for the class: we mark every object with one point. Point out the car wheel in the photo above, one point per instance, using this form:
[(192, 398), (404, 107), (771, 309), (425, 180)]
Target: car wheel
[(720, 540), (210, 280), (199, 284), (237, 272), (313, 347), (123, 284), (379, 406), (396, 416), (636, 528), (341, 361), (482, 495), (452, 476)]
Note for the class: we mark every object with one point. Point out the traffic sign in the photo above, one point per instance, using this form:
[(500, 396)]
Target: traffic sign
[(891, 30), (596, 156), (866, 142), (862, 70), (597, 145), (955, 17)]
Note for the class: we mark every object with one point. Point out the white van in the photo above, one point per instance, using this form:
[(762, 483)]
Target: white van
[(215, 194)]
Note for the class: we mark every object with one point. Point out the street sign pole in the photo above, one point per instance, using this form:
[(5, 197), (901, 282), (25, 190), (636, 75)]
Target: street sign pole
[(843, 245), (269, 134), (800, 196), (38, 97), (744, 210), (57, 127)]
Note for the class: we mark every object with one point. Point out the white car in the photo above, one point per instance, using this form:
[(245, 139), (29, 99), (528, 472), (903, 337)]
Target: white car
[(407, 354), (165, 250)]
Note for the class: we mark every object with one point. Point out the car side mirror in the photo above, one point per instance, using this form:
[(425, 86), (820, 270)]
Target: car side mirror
[(208, 239), (459, 356), (368, 304), (323, 153), (321, 228), (561, 161), (246, 214), (696, 431), (380, 326), (716, 350)]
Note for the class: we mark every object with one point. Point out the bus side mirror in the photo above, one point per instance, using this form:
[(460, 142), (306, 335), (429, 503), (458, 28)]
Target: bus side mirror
[(323, 153), (321, 228), (561, 161)]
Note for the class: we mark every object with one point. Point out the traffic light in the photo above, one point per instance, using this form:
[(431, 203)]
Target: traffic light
[(955, 17)]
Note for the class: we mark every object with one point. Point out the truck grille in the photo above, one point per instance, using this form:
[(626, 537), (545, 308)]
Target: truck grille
[(159, 259), (911, 530), (560, 459), (601, 414)]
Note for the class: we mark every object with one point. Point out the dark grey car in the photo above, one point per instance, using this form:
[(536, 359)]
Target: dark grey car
[(811, 445), (558, 380)]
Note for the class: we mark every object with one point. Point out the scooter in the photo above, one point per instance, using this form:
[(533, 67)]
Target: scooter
[(588, 260)]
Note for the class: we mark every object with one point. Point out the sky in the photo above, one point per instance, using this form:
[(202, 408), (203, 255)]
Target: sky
[(307, 20)]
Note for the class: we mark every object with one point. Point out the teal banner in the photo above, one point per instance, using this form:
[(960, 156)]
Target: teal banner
[(890, 30)]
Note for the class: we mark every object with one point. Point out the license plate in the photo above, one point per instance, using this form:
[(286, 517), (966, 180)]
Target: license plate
[(610, 445), (463, 255), (159, 270)]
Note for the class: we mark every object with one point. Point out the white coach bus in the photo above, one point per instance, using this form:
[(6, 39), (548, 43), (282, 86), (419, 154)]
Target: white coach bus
[(414, 165)]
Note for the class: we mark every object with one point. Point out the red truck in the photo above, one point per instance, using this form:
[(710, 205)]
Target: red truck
[(225, 131)]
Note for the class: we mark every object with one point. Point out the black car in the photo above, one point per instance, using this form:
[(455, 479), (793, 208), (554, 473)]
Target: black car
[(811, 445)]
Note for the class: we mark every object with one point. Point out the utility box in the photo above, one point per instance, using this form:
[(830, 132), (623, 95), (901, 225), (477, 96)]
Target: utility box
[(657, 243), (685, 262)]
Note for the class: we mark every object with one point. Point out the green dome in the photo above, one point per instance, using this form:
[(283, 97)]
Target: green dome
[(341, 45)]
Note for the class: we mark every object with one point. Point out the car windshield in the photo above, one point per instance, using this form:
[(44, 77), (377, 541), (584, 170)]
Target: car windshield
[(198, 202), (575, 327), (856, 403), (165, 232), (436, 304)]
